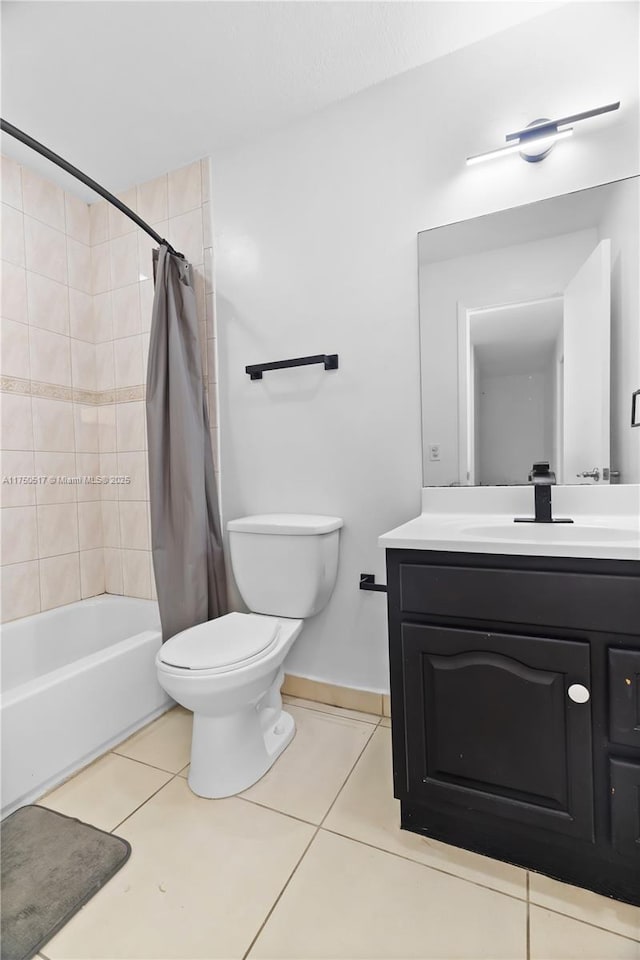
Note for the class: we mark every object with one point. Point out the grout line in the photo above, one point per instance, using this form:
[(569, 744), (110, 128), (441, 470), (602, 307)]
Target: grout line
[(306, 849), (328, 713), (144, 763), (587, 923), (263, 806), (140, 805), (428, 866)]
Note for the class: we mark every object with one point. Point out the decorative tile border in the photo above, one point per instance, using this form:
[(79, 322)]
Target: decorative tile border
[(55, 391)]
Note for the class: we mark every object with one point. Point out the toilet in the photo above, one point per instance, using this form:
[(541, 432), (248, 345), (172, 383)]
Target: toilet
[(229, 671)]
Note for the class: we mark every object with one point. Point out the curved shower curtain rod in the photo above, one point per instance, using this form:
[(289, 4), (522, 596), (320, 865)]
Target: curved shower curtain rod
[(9, 128)]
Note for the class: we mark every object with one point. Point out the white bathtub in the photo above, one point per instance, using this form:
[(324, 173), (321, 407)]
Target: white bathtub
[(75, 681)]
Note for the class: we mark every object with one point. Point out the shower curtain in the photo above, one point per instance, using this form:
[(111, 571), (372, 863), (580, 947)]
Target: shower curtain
[(185, 525)]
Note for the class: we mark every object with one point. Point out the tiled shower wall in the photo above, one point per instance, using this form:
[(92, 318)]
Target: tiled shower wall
[(77, 292)]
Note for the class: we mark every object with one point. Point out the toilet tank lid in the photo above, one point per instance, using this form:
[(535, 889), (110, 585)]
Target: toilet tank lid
[(291, 524)]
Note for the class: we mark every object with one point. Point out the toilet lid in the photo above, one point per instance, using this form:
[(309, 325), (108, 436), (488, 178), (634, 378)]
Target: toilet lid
[(229, 640)]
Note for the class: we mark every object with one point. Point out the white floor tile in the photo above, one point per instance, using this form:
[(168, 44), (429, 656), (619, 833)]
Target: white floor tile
[(107, 791), (347, 901), (554, 937), (584, 905), (200, 881), (366, 811), (306, 778), (165, 743)]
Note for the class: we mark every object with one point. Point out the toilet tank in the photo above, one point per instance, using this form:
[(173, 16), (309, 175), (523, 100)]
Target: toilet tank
[(285, 564)]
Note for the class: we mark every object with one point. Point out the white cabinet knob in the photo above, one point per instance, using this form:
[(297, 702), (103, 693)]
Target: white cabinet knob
[(578, 693)]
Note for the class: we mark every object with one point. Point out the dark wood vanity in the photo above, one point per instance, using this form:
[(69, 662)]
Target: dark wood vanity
[(515, 700)]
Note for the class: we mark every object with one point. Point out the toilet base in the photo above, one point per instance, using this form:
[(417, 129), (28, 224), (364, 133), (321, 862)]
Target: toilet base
[(230, 753)]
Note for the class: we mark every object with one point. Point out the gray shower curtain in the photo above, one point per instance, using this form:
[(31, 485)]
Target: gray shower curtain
[(185, 525)]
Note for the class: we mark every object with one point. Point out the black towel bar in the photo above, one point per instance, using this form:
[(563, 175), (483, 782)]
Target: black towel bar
[(368, 582), (256, 370)]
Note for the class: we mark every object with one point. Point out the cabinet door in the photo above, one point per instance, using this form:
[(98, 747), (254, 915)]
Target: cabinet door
[(490, 726), (625, 807), (624, 697)]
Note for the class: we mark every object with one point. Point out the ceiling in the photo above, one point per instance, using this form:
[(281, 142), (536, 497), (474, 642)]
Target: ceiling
[(128, 90), (516, 338)]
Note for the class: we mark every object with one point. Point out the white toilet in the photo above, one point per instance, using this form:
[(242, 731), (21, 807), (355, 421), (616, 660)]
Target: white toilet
[(229, 671)]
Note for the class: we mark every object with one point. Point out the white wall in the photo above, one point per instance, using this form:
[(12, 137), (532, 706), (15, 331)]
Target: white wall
[(316, 251)]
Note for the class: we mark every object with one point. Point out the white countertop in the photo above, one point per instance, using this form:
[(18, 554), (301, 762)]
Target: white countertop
[(481, 520)]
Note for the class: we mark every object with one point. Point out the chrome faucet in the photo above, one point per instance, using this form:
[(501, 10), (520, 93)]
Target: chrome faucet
[(542, 479)]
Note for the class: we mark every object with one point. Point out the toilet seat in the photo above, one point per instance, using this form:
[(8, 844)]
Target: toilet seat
[(226, 643)]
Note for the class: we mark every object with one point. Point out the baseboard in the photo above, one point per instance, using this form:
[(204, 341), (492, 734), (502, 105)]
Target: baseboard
[(351, 698)]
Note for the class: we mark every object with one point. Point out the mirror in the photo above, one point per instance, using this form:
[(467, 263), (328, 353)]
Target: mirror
[(529, 341)]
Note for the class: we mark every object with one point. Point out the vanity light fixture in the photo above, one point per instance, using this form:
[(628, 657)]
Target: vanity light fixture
[(538, 138)]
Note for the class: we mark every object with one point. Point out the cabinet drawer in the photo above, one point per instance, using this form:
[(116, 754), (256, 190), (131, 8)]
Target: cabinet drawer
[(624, 696), (592, 602), (625, 807)]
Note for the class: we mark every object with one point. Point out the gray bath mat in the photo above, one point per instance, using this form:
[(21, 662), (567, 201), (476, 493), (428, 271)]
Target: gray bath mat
[(51, 866)]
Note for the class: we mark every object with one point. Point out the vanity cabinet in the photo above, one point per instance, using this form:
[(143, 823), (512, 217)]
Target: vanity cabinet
[(515, 701)]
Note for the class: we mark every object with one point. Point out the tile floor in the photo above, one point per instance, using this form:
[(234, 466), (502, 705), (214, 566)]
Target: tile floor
[(307, 863)]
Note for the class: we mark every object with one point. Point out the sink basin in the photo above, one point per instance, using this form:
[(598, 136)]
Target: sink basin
[(550, 532)]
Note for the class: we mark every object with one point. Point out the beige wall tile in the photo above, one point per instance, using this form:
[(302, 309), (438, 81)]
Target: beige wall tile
[(105, 366), (13, 292), (79, 265), (108, 468), (131, 426), (212, 360), (59, 580), (42, 199), (14, 356), (11, 174), (20, 590), (110, 523), (207, 225), (98, 222), (81, 321), (17, 463), (92, 573), (136, 574), (103, 316), (83, 365), (50, 357), (205, 175), (134, 524), (112, 570), (146, 290), (88, 465), (185, 234), (185, 189), (48, 304), (554, 937), (133, 465), (126, 311), (85, 421), (119, 223), (128, 359), (19, 534), (53, 425), (100, 268), (146, 246), (17, 427), (45, 250), (368, 701), (107, 428), (152, 200), (123, 255), (57, 529), (90, 525), (77, 223), (55, 465), (12, 235)]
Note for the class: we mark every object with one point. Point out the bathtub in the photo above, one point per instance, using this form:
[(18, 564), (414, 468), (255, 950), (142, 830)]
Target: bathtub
[(75, 681)]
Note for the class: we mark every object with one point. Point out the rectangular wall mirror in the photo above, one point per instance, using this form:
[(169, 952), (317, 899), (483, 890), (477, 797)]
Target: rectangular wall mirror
[(529, 341)]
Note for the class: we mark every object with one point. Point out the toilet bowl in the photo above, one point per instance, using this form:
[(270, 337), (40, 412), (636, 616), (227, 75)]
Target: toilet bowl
[(229, 671)]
